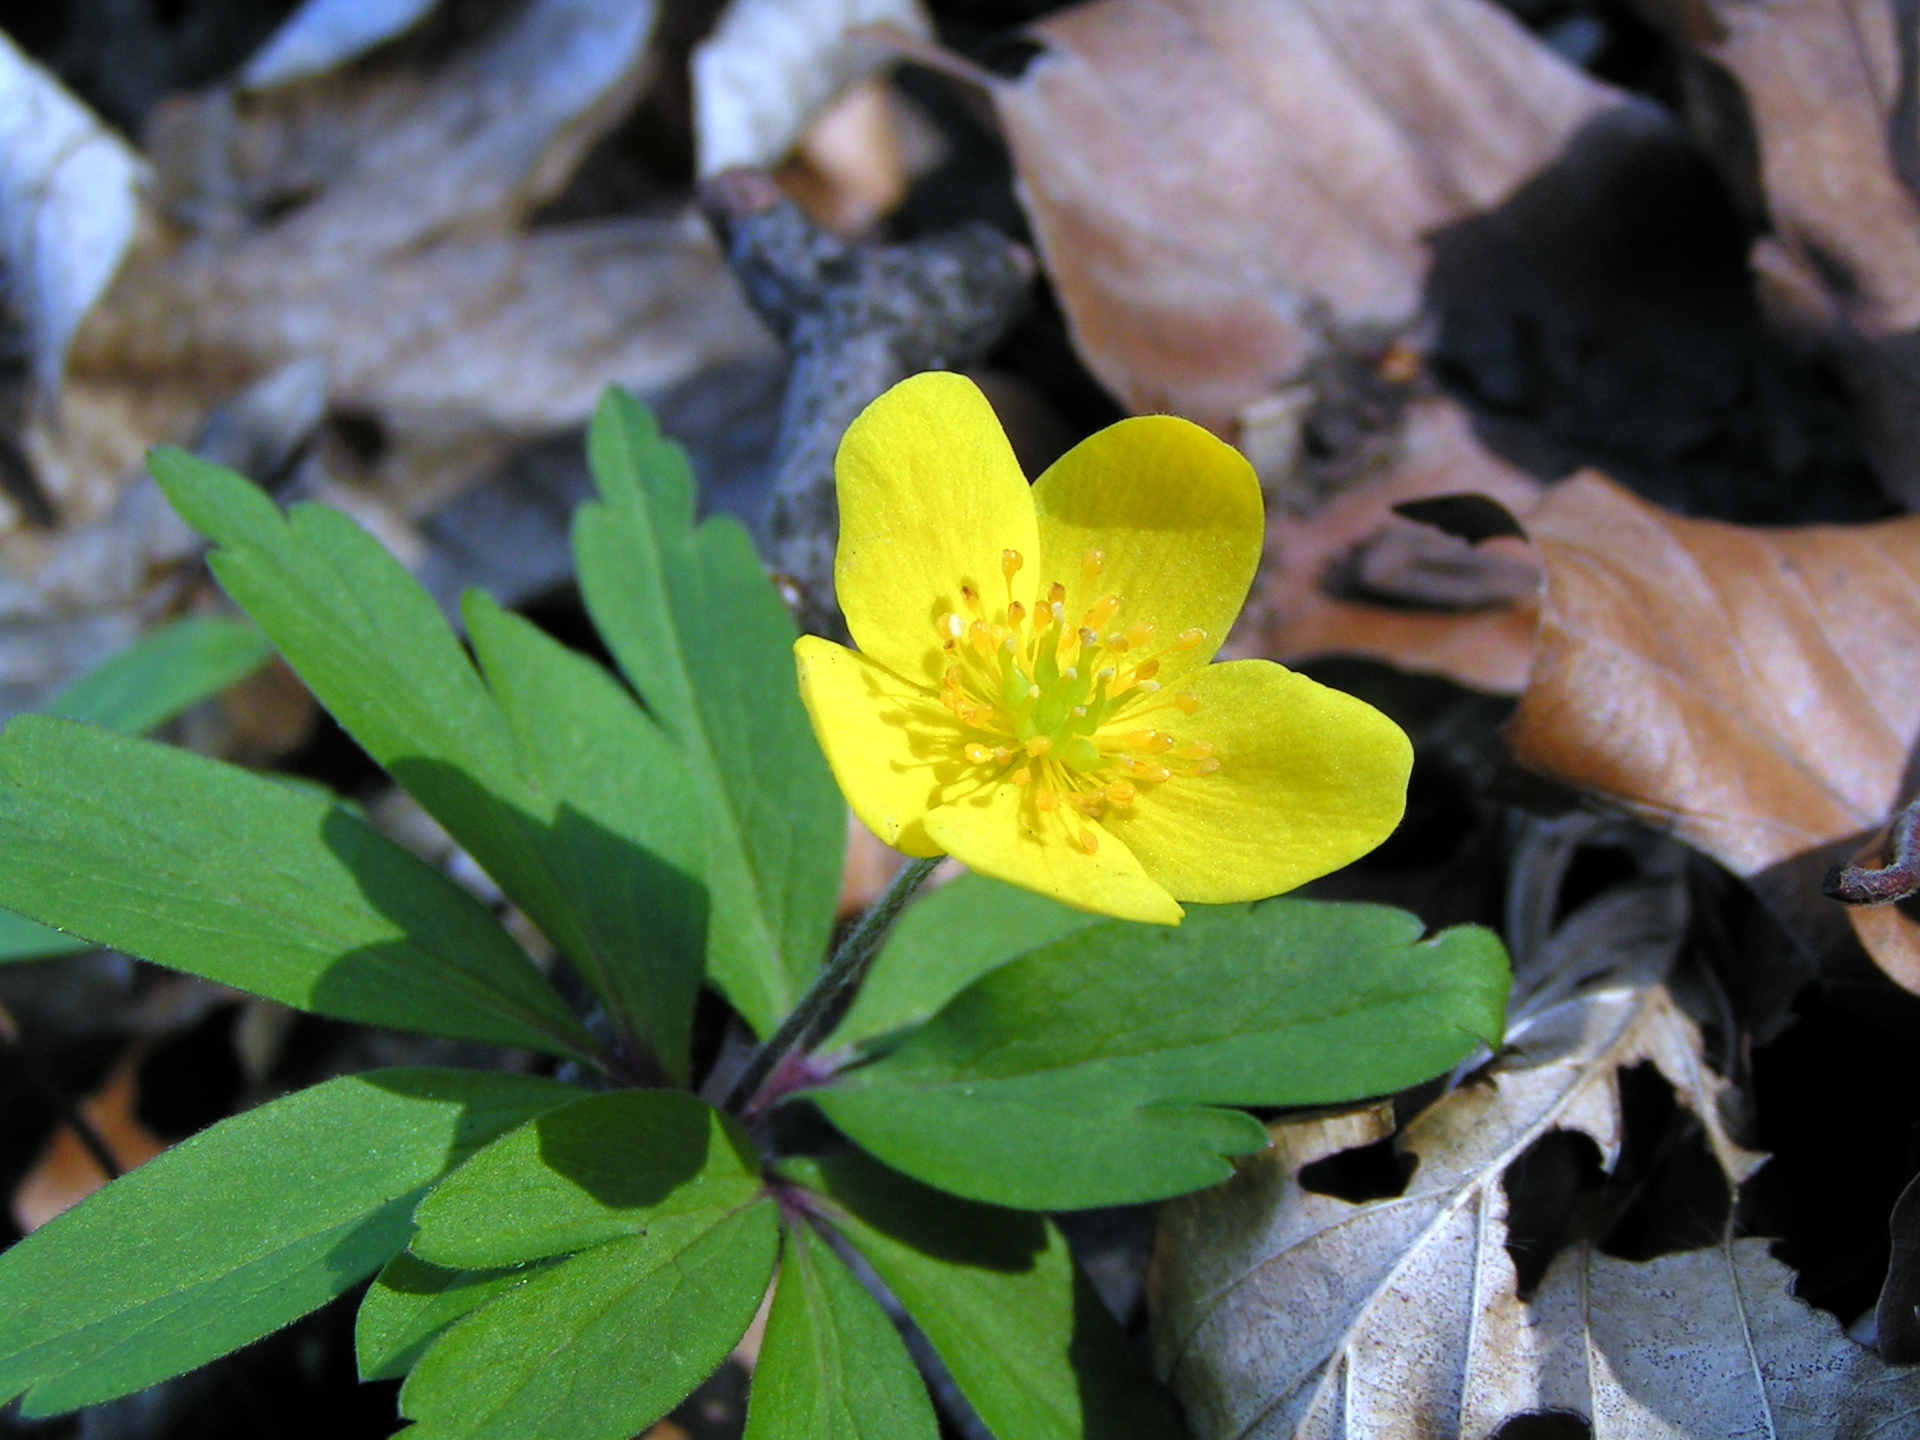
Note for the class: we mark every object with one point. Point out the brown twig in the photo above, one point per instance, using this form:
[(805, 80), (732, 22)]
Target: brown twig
[(1896, 879), (857, 319)]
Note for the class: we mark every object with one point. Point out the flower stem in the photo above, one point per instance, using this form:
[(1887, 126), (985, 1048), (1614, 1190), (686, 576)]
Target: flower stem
[(835, 983)]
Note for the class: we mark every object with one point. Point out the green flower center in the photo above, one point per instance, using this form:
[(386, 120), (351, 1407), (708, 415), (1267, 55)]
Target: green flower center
[(1058, 707)]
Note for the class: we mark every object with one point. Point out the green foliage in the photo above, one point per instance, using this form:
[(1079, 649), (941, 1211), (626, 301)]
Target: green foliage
[(1091, 1071), (687, 612), (582, 829), (202, 867), (233, 1233), (570, 1265), (832, 1366), (164, 675), (995, 1292)]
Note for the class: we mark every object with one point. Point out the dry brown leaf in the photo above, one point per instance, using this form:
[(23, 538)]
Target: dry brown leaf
[(66, 1172), (1285, 1313), (1216, 183), (1755, 691), (1300, 610)]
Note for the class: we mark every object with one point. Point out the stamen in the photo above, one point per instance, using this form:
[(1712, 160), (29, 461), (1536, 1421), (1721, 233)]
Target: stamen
[(979, 754), (1022, 776), (1039, 746), (1198, 750), (1206, 767), (1046, 800), (1056, 597), (1187, 701), (1158, 774), (1102, 610), (1154, 742), (1146, 670), (1010, 563), (1016, 614), (1001, 754), (1092, 563), (1089, 841), (952, 626), (1120, 793), (1190, 639), (1140, 635)]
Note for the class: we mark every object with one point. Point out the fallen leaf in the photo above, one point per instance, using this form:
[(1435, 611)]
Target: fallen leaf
[(68, 207), (66, 1172), (1307, 605), (1757, 692), (1283, 1312), (1216, 184)]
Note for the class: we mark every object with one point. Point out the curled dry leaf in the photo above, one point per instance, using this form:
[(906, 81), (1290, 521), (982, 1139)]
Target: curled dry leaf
[(1352, 577), (1282, 1312), (1216, 185), (1755, 691)]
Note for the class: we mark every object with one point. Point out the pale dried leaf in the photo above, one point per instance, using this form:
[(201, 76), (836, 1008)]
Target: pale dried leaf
[(1282, 1312), (1213, 183), (66, 1172), (69, 207), (1301, 610), (1755, 691), (324, 33), (772, 66)]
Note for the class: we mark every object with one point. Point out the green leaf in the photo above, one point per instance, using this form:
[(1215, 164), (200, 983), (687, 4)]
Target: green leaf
[(832, 1366), (594, 1171), (240, 1230), (944, 943), (1087, 1073), (410, 1302), (997, 1295), (699, 631), (159, 677), (200, 866), (374, 648), (24, 939), (600, 1345)]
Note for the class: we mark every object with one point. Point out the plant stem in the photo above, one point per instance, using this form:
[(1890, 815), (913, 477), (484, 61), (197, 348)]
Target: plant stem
[(838, 980)]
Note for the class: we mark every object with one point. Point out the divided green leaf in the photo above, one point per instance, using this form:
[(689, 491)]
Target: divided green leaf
[(410, 1302), (163, 675), (1012, 1318), (1091, 1071), (832, 1367), (238, 1231), (696, 627), (589, 829), (202, 867), (597, 1170), (602, 1344)]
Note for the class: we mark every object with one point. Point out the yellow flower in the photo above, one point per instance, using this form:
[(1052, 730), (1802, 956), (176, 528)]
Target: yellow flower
[(1033, 694)]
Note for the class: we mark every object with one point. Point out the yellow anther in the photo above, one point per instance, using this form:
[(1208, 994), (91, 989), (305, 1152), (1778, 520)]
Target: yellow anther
[(952, 626), (1198, 750), (1010, 563), (971, 599), (1151, 687), (1089, 637), (1039, 746), (1001, 755), (1117, 643), (1157, 774), (1102, 610), (1154, 742), (1190, 639), (1022, 776), (1206, 767), (981, 637), (979, 754), (1089, 841), (1056, 595), (1146, 670), (1105, 672), (1016, 614), (1187, 701), (1140, 635), (1120, 793), (1046, 800), (1092, 563)]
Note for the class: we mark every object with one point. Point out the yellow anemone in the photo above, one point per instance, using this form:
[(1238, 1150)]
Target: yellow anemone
[(1033, 692)]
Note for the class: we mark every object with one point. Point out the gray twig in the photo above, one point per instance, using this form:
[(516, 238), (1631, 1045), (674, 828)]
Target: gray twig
[(857, 319)]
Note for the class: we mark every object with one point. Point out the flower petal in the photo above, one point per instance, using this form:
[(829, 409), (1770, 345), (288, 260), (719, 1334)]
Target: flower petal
[(997, 832), (1178, 517), (1310, 779), (931, 497), (892, 746)]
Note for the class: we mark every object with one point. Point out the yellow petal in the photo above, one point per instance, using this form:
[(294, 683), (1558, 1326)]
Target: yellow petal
[(1177, 516), (931, 498), (1310, 779), (998, 832), (892, 746)]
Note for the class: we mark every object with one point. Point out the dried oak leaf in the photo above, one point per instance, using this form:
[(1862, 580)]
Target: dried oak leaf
[(66, 1172), (1333, 573), (1757, 692), (1281, 1312), (1214, 184)]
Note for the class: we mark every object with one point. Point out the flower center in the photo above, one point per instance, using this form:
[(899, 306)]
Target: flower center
[(1062, 704)]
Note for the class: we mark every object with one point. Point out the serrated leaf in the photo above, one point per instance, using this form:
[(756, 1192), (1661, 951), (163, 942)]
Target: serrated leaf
[(832, 1367), (163, 675), (998, 1296), (410, 1302), (238, 1231), (696, 627), (602, 1344), (200, 866), (598, 1170), (944, 943), (1090, 1072), (376, 651)]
